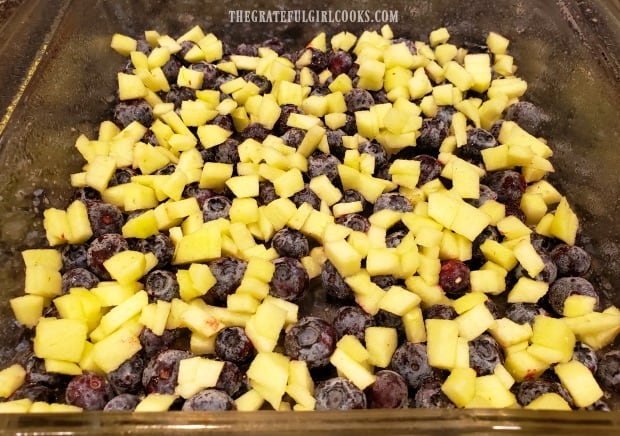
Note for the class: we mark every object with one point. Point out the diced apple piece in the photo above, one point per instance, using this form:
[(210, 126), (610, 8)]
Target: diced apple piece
[(565, 223), (579, 381), (549, 401), (126, 266), (28, 309), (460, 386), (474, 322), (578, 305), (507, 332), (119, 315), (269, 372), (16, 406), (196, 374), (354, 371), (523, 366), (112, 351), (441, 342), (11, 378), (381, 342), (60, 339), (490, 392), (413, 322), (527, 291), (399, 301), (156, 402)]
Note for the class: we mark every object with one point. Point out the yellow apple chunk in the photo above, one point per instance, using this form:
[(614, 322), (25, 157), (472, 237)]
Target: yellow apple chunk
[(11, 378), (460, 386), (579, 382), (60, 339)]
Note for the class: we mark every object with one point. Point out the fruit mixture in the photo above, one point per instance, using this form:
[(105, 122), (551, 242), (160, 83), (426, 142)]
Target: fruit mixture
[(362, 223)]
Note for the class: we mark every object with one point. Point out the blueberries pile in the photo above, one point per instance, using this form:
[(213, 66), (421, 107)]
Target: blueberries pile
[(409, 380)]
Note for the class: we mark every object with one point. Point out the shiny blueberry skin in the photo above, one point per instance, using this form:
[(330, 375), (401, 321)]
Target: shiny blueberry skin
[(352, 320), (334, 283), (338, 394), (209, 400), (508, 184), (410, 360), (290, 243), (340, 62), (389, 391), (161, 371), (290, 280), (454, 278), (430, 168), (233, 345), (306, 195), (89, 391), (312, 340), (161, 285)]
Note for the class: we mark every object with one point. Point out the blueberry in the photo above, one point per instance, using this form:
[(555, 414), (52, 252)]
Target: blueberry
[(89, 391), (293, 137), (228, 272), (275, 44), (439, 311), (161, 285), (318, 60), (266, 192), (153, 344), (127, 378), (358, 99), (334, 283), (394, 238), (432, 134), (178, 94), (352, 320), (410, 360), (263, 84), (571, 260), (375, 150), (354, 221), (454, 278), (171, 70), (306, 195), (523, 313), (528, 390), (509, 185), (290, 280), (564, 287), (335, 142), (78, 278), (104, 217), (86, 194), (320, 163), (209, 400), (548, 274), (586, 355), (244, 49), (34, 392), (227, 152), (430, 396), (233, 345), (490, 232), (351, 196), (477, 140), (103, 248), (444, 113), (290, 243), (255, 131), (216, 207), (383, 318), (230, 379), (484, 354), (160, 245), (121, 176), (430, 168), (608, 371), (393, 201), (74, 256), (389, 391), (161, 371), (340, 62), (122, 403), (385, 282), (529, 116), (129, 111), (338, 393), (286, 110), (312, 340), (37, 374)]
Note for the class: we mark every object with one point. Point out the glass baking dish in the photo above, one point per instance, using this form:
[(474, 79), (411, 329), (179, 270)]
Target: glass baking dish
[(58, 76)]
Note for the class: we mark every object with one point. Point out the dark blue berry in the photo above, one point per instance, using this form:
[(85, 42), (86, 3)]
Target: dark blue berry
[(209, 400), (338, 394), (312, 340), (89, 391), (389, 391)]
